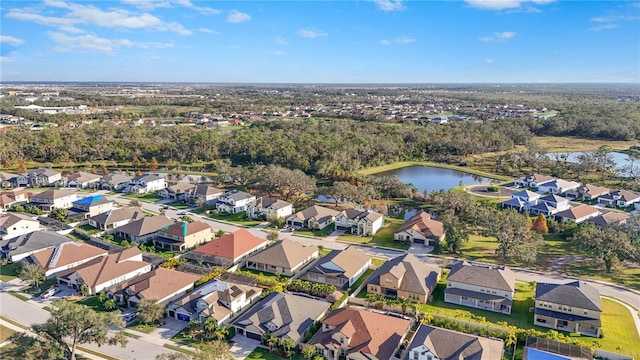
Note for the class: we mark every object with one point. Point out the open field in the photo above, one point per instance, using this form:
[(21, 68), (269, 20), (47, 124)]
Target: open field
[(566, 143), (398, 165)]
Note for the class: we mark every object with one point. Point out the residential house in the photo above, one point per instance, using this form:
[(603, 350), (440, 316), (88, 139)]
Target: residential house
[(587, 192), (533, 180), (536, 348), (13, 197), (282, 315), (17, 248), (105, 272), (89, 206), (619, 198), (143, 229), (483, 287), (268, 208), (549, 205), (202, 192), (227, 250), (285, 257), (5, 178), (83, 180), (573, 307), (578, 214), (64, 256), (183, 235), (19, 180), (234, 201), (558, 186), (611, 217), (433, 343), (43, 177), (420, 229), (116, 217), (162, 285), (176, 192), (356, 334), (221, 300), (405, 277), (359, 222), (340, 268), (54, 199), (114, 181), (145, 183), (16, 224), (313, 217), (521, 200)]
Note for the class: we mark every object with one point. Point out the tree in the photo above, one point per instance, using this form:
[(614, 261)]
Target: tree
[(210, 324), (59, 214), (135, 161), (153, 165), (515, 237), (456, 234), (288, 344), (215, 350), (308, 351), (339, 191), (134, 202), (26, 347), (109, 305), (33, 272), (150, 310), (21, 167), (609, 244), (85, 290), (104, 170), (76, 324), (272, 235), (540, 225), (221, 332)]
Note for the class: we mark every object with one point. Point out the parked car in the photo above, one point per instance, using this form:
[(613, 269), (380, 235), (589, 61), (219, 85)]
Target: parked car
[(182, 213), (129, 316), (50, 293)]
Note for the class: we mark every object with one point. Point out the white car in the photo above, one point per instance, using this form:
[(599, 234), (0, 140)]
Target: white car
[(50, 293)]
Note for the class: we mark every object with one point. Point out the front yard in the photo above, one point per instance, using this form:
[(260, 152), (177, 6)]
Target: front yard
[(318, 233), (384, 236), (238, 218), (264, 354), (9, 272), (148, 197)]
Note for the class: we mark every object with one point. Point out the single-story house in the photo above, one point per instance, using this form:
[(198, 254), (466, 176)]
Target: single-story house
[(578, 214), (340, 268), (143, 229), (227, 250), (285, 257), (116, 217), (18, 248), (162, 285), (433, 343), (420, 229), (64, 256)]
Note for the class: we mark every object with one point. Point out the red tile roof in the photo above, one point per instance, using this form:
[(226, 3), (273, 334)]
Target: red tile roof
[(231, 246)]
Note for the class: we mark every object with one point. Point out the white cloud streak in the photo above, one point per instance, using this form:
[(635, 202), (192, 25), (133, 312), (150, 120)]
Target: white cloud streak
[(311, 34), (10, 40), (93, 44), (498, 36), (389, 5), (505, 4), (236, 17), (399, 40)]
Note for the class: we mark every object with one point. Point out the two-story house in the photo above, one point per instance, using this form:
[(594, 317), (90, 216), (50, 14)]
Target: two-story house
[(162, 285), (115, 218), (144, 229), (54, 199), (483, 287), (283, 315), (573, 307), (420, 229), (114, 181), (285, 257), (533, 180), (16, 224), (433, 343), (64, 256), (13, 197), (145, 183), (313, 217), (268, 208), (234, 201), (521, 200), (176, 192), (82, 180), (222, 300), (549, 205), (340, 268), (356, 334), (17, 248), (43, 177), (89, 206), (405, 277), (105, 272), (359, 222), (204, 193), (183, 235), (587, 192), (228, 250)]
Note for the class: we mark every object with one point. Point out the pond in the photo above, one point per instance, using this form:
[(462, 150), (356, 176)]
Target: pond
[(621, 159), (433, 179)]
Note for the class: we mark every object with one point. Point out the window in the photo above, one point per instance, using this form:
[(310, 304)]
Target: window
[(586, 312), (416, 355)]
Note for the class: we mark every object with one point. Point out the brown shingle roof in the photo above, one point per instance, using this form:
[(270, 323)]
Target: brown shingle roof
[(68, 253), (578, 212), (612, 217), (286, 254), (105, 268), (350, 260), (8, 219), (315, 212), (231, 246), (417, 277), (159, 283), (53, 194), (185, 229), (423, 224), (369, 332), (452, 345)]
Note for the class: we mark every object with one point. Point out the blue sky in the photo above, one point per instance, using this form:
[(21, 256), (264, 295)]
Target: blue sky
[(349, 41)]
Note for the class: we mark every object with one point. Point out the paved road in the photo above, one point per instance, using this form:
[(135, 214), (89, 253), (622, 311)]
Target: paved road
[(26, 314)]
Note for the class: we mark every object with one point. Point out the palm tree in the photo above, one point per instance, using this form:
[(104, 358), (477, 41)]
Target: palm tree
[(85, 290), (404, 303), (288, 344), (210, 324), (272, 341), (221, 332), (371, 299), (109, 305), (308, 351), (35, 273)]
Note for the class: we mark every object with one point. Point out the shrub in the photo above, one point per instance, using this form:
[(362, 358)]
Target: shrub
[(493, 188)]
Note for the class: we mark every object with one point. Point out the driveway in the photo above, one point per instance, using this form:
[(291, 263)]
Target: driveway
[(243, 346), (169, 328)]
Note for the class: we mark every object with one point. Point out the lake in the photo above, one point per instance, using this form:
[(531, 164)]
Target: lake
[(433, 179), (621, 159)]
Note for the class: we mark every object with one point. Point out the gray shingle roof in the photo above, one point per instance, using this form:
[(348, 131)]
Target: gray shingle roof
[(417, 277), (35, 241), (453, 345), (496, 277), (577, 294)]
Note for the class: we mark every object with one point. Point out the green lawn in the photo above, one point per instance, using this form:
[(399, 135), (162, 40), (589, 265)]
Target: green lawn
[(89, 229), (184, 337), (384, 236), (627, 276), (179, 205), (9, 271), (319, 233), (239, 218), (143, 328), (480, 248), (618, 329), (264, 354), (362, 279), (148, 197)]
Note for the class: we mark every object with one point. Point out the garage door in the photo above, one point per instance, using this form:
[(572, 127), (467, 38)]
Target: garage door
[(253, 336), (184, 317), (418, 241)]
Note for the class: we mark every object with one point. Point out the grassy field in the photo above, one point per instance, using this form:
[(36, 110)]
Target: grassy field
[(89, 229), (628, 276), (617, 327), (565, 143), (5, 333), (9, 271), (402, 164), (239, 218)]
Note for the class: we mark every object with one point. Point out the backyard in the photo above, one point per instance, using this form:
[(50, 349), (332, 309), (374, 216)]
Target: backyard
[(384, 236)]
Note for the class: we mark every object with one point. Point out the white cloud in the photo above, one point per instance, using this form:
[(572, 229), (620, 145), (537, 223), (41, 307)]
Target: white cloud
[(208, 31), (603, 27), (91, 43), (91, 15), (236, 17), (498, 36), (147, 4), (505, 4), (398, 40), (610, 21), (6, 39), (488, 61), (311, 34), (280, 53), (389, 5), (281, 41)]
